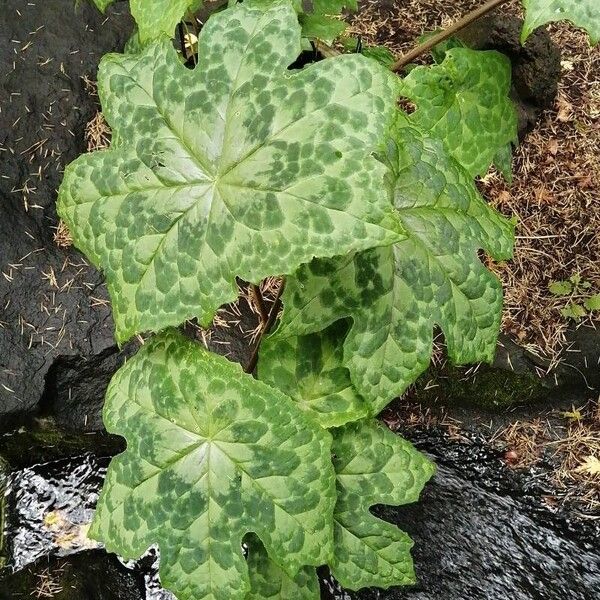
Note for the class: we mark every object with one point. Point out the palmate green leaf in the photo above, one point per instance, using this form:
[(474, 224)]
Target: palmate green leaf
[(373, 466), (270, 582), (397, 294), (237, 168), (321, 27), (155, 18), (158, 17), (465, 102), (310, 370), (320, 21), (212, 455), (582, 13)]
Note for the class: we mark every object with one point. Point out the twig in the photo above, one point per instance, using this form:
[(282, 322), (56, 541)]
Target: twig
[(444, 35), (267, 327), (325, 49), (182, 40)]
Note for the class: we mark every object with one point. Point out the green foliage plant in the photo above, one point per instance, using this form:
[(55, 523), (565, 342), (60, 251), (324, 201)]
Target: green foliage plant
[(580, 299), (244, 168)]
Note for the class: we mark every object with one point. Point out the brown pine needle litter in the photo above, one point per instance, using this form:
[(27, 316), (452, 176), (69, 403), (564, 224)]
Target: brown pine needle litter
[(555, 193), (97, 133), (573, 448)]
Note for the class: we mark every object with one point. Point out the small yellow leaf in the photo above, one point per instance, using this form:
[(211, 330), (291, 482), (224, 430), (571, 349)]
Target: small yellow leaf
[(54, 520), (590, 465), (574, 414)]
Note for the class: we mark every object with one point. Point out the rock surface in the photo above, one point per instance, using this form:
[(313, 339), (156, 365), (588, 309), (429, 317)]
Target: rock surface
[(91, 575), (53, 303), (471, 543), (535, 66), (481, 531)]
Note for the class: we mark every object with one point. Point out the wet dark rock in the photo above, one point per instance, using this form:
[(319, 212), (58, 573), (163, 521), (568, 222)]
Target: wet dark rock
[(52, 301), (91, 575), (43, 442), (49, 508), (471, 543), (577, 373), (535, 66), (481, 531), (517, 377), (76, 385)]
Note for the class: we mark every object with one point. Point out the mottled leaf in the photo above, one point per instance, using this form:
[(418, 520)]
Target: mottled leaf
[(582, 13), (373, 466), (237, 168), (397, 294), (269, 581), (320, 22), (158, 17), (465, 102), (310, 370), (212, 454), (155, 18), (503, 162)]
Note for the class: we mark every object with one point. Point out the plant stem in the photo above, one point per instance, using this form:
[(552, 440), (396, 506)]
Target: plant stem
[(444, 35), (260, 304), (266, 328)]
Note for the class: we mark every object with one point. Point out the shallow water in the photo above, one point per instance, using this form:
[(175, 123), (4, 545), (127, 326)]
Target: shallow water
[(479, 531)]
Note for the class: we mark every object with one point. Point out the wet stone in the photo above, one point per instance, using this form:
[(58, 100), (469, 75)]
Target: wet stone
[(473, 543), (480, 531), (53, 302), (90, 575)]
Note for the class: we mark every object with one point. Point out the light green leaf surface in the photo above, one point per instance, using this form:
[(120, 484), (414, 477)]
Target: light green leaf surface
[(155, 18), (321, 27), (158, 17), (310, 370), (464, 101), (320, 22), (397, 294), (212, 454), (269, 582), (373, 466), (237, 168), (582, 13), (503, 162), (381, 54), (592, 303), (102, 4)]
